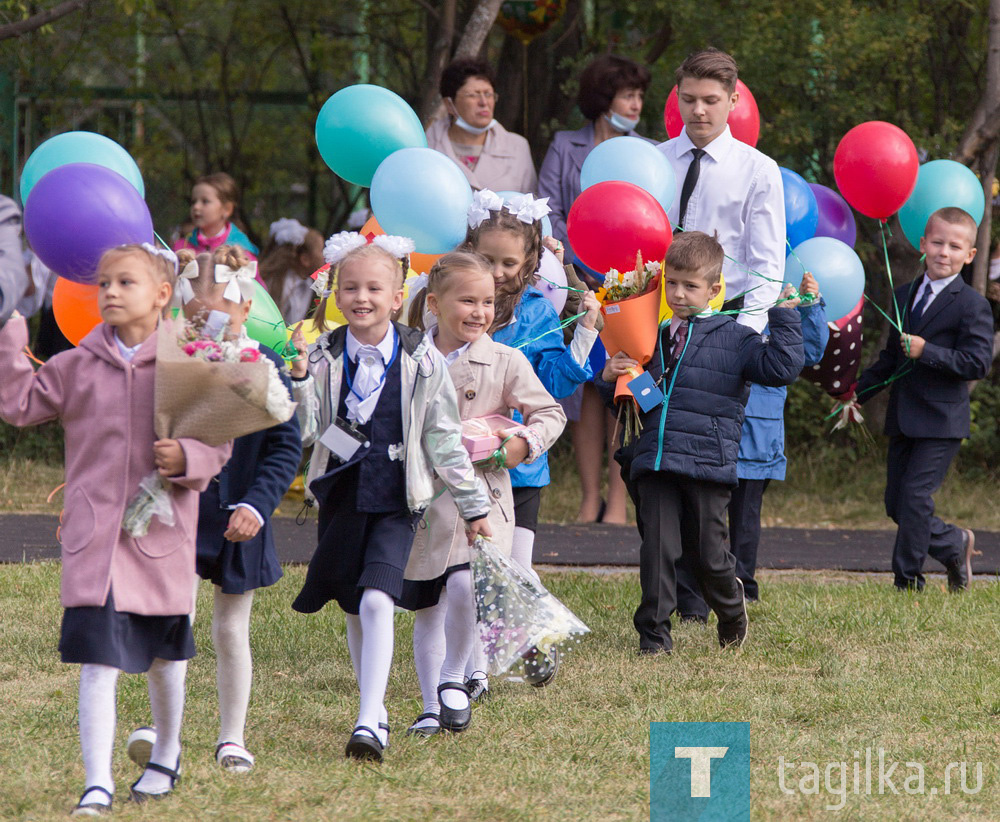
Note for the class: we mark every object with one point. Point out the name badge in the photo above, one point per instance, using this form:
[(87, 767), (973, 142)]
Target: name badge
[(343, 441), (646, 392)]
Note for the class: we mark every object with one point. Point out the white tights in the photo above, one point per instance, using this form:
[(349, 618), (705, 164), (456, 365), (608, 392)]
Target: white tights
[(234, 665), (98, 685), (370, 640)]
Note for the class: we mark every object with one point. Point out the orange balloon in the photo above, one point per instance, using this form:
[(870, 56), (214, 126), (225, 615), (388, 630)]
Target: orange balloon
[(75, 308), (421, 263)]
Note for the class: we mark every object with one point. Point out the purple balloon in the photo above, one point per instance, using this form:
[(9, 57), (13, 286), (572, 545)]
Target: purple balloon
[(78, 211), (835, 216)]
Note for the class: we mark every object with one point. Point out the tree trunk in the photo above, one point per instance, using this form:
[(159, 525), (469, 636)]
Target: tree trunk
[(469, 45), (979, 147)]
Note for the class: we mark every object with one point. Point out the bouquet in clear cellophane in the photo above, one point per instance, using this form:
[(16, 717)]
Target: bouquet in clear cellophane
[(630, 303), (516, 614)]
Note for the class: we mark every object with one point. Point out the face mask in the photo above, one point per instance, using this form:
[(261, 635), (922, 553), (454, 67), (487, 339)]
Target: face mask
[(995, 269), (470, 128), (621, 123)]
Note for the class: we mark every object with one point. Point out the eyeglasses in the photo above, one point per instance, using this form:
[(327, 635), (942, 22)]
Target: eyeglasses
[(485, 96)]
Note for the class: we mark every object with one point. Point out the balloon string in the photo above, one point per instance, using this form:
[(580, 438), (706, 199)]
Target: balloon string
[(162, 241), (32, 357), (904, 369), (888, 271), (567, 322), (564, 287)]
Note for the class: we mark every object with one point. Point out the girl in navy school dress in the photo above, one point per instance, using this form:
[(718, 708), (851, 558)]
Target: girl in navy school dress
[(235, 541), (377, 401), (127, 599)]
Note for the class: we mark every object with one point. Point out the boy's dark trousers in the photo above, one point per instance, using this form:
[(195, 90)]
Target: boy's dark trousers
[(679, 515), (744, 539), (915, 469)]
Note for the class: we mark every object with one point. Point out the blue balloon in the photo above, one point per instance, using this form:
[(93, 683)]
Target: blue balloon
[(632, 160), (941, 183), (837, 269), (79, 147), (801, 208), (421, 194), (546, 222), (361, 125)]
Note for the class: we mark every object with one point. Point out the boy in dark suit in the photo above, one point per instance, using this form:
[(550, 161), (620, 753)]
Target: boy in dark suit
[(682, 468), (947, 341)]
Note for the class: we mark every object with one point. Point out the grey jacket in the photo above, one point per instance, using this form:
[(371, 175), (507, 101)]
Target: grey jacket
[(432, 430), (13, 275)]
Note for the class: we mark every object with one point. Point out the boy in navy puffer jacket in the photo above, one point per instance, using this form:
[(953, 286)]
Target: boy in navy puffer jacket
[(682, 467)]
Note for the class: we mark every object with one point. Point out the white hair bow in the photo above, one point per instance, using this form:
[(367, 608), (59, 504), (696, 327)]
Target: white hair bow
[(340, 245), (241, 283), (527, 208), (397, 246), (166, 253), (483, 203), (288, 231)]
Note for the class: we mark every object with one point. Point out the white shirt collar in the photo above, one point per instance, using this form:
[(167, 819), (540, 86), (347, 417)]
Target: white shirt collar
[(385, 347), (128, 352), (937, 286), (717, 149), (448, 358)]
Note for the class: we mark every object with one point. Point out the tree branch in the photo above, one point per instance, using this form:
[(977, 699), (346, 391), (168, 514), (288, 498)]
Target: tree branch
[(476, 30), (43, 18)]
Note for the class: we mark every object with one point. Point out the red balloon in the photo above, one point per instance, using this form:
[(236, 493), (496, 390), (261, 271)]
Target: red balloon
[(876, 168), (611, 221), (744, 120)]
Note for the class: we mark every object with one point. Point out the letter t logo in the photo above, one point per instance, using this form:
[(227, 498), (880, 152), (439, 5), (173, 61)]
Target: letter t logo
[(701, 767)]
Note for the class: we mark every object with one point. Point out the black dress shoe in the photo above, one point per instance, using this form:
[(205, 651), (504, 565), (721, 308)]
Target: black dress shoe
[(424, 730), (539, 669), (734, 634), (654, 650), (960, 570), (454, 719), (364, 744)]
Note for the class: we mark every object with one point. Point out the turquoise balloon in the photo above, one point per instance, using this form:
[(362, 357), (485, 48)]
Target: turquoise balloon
[(421, 194), (941, 183), (837, 269), (631, 160), (79, 147), (359, 126)]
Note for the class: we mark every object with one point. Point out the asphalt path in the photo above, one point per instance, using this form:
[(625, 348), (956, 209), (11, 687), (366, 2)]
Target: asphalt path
[(28, 537)]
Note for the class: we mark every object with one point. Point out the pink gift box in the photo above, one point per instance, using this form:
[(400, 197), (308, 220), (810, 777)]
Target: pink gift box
[(477, 442)]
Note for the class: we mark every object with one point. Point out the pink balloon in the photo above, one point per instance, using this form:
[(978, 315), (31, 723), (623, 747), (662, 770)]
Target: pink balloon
[(552, 280), (744, 120)]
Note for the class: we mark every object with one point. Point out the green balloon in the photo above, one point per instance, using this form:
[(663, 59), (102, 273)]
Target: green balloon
[(265, 323)]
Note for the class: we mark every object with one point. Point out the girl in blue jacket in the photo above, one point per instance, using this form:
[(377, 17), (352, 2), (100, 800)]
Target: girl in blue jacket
[(509, 235)]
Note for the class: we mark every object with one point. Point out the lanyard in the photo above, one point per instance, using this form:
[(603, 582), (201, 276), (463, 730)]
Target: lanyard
[(385, 368)]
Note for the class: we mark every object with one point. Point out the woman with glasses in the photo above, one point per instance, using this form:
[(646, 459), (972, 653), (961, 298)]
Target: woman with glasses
[(490, 156)]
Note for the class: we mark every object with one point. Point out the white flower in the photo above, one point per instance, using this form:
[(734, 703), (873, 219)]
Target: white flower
[(398, 247), (288, 231), (339, 245), (396, 452)]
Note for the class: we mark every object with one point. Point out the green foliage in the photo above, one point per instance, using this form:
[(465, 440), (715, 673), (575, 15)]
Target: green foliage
[(980, 454), (42, 443)]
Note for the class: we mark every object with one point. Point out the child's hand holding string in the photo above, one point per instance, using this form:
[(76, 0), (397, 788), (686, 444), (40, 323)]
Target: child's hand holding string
[(299, 365), (912, 345), (168, 456), (592, 306), (809, 287), (516, 447), (786, 300), (556, 247)]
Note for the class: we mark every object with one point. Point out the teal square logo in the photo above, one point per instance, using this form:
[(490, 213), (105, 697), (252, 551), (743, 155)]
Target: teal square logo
[(699, 771)]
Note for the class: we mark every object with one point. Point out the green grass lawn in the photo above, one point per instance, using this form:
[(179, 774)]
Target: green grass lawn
[(834, 664)]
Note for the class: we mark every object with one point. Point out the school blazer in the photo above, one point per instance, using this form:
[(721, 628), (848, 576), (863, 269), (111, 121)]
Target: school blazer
[(932, 398)]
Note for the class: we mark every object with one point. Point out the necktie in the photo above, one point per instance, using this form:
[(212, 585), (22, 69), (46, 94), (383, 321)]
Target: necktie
[(680, 335), (363, 397), (690, 179), (918, 309)]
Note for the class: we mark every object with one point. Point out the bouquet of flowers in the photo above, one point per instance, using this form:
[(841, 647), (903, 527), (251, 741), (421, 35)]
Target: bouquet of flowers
[(210, 389), (516, 614), (630, 303)]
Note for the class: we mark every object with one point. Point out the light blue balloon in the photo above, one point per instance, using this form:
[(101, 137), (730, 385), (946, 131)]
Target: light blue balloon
[(361, 125), (837, 269), (941, 183), (801, 208), (546, 222), (632, 160), (79, 147), (421, 194)]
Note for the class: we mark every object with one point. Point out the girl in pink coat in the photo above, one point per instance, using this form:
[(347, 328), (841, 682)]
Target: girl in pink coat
[(127, 600)]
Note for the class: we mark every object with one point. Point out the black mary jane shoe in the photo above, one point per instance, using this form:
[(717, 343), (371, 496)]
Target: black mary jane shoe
[(141, 797), (364, 745), (454, 719), (93, 808), (426, 730)]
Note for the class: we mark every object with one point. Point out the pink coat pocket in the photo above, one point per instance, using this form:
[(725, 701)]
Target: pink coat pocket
[(78, 522)]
